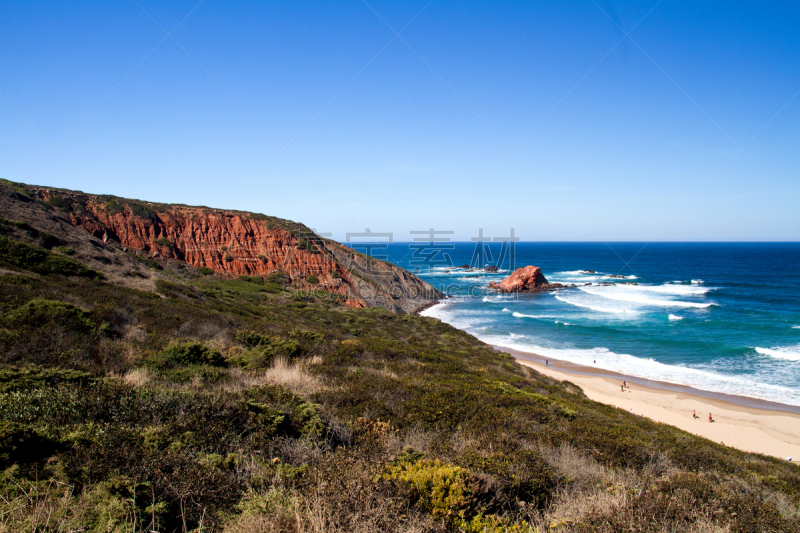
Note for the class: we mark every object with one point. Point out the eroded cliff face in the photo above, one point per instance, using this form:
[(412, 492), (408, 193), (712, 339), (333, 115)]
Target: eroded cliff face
[(239, 243)]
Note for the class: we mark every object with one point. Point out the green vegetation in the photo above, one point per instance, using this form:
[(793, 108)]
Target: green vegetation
[(204, 270), (312, 279), (165, 243), (19, 187), (238, 405), (26, 257), (279, 278)]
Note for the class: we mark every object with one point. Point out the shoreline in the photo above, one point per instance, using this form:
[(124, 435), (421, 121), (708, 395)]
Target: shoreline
[(762, 427), (575, 368), (748, 424)]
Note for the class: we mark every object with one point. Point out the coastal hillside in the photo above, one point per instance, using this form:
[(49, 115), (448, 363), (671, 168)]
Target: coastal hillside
[(149, 384), (230, 243)]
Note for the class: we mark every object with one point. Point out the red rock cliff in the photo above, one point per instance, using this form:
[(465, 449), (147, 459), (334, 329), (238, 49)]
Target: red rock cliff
[(237, 243)]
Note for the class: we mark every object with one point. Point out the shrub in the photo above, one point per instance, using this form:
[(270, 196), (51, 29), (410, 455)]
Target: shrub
[(279, 278), (440, 489), (204, 270), (39, 313), (164, 243), (262, 349), (59, 202), (312, 279), (336, 275), (184, 354), (114, 208), (49, 241), (228, 258), (35, 259), (142, 211), (251, 339), (34, 376), (64, 250), (262, 258)]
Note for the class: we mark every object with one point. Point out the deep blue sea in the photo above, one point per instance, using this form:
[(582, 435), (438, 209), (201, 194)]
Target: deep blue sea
[(720, 317)]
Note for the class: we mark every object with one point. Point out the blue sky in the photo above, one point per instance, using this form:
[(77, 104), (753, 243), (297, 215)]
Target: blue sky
[(544, 117)]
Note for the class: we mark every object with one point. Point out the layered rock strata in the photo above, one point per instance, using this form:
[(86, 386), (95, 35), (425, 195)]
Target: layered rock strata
[(240, 243)]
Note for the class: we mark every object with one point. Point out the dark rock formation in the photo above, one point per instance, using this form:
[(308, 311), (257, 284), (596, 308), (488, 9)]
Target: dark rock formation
[(491, 268)]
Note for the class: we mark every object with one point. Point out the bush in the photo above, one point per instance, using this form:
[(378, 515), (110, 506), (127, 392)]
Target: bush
[(59, 202), (64, 250), (40, 313), (312, 279), (336, 275), (192, 353), (228, 258), (279, 278), (440, 489), (20, 377), (164, 243), (35, 259), (114, 208), (262, 349), (204, 270), (142, 211)]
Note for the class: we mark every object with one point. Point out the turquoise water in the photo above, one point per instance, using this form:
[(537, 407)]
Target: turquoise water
[(721, 317)]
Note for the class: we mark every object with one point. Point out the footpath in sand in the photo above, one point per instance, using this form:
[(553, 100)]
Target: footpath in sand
[(766, 431)]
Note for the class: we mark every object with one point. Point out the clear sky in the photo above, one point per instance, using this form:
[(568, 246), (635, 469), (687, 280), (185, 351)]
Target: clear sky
[(564, 120)]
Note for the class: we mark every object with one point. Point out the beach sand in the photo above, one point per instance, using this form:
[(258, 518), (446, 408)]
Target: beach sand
[(770, 431)]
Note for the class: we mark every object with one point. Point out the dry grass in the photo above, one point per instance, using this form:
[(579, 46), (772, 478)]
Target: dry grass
[(415, 437), (591, 488), (294, 376), (277, 512), (138, 377)]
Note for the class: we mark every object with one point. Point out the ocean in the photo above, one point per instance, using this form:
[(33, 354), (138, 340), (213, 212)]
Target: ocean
[(719, 317)]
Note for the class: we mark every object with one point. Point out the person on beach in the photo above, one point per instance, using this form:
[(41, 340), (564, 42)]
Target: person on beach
[(625, 384), (709, 418), (694, 413), (622, 388)]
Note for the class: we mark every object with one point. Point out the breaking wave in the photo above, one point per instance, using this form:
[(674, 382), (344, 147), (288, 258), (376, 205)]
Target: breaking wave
[(787, 353)]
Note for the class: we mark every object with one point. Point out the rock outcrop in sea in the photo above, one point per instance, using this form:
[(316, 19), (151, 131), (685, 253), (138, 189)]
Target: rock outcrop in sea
[(525, 279)]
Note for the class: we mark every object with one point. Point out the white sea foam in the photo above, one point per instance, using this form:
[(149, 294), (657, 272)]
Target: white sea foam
[(651, 369), (788, 353), (625, 294), (595, 307), (675, 317), (795, 327), (582, 276), (697, 282), (498, 298), (520, 315), (670, 288)]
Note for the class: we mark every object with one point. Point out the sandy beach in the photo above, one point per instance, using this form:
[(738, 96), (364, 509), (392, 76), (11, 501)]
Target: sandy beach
[(768, 430)]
